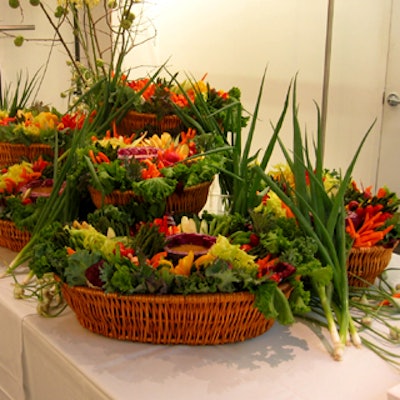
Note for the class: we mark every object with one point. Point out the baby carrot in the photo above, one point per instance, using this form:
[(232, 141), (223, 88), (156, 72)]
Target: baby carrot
[(92, 156), (103, 157)]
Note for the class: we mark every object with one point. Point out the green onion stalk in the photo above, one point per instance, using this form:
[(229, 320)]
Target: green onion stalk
[(321, 214), (376, 311), (17, 99)]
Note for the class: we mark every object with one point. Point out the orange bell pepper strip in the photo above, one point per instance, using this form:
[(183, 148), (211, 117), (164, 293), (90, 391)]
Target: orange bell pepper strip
[(10, 185), (70, 251), (266, 264), (156, 259), (103, 157), (186, 136), (151, 171)]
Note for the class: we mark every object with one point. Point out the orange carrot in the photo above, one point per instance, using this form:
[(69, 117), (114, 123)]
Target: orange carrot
[(371, 223), (371, 237), (369, 240), (103, 157), (92, 156), (114, 127), (70, 251), (350, 229)]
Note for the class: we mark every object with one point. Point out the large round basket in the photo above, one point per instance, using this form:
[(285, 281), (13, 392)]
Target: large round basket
[(169, 319), (190, 200), (365, 264), (11, 237), (134, 122), (14, 153)]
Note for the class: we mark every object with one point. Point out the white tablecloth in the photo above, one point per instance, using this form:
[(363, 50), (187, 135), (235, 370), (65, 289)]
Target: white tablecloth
[(12, 316), (62, 360)]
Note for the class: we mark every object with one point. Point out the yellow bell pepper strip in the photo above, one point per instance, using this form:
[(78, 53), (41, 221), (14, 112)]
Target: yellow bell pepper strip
[(184, 265), (204, 260)]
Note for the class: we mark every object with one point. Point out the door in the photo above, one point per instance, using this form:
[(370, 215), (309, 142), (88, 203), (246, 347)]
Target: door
[(388, 172)]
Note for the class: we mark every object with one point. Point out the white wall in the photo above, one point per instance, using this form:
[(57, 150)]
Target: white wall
[(358, 72), (233, 41), (33, 54)]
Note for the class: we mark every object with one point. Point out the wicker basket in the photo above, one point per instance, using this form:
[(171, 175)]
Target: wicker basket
[(11, 237), (116, 197), (365, 264), (190, 200), (140, 122), (169, 319), (11, 153)]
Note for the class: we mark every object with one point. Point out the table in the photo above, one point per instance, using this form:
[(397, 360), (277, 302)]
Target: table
[(57, 358), (12, 317)]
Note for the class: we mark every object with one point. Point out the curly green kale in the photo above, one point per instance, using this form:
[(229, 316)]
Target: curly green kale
[(112, 217), (49, 253)]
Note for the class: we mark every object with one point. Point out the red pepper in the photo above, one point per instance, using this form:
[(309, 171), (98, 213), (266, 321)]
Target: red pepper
[(254, 240), (353, 205), (125, 251), (246, 247)]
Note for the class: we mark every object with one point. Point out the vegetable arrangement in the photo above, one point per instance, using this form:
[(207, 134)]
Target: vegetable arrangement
[(23, 191), (140, 262), (38, 126), (153, 167), (372, 219), (161, 97), (281, 226)]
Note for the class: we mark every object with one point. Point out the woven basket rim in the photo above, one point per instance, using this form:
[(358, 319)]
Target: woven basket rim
[(150, 115), (191, 199), (186, 189), (164, 298), (375, 248), (34, 144)]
